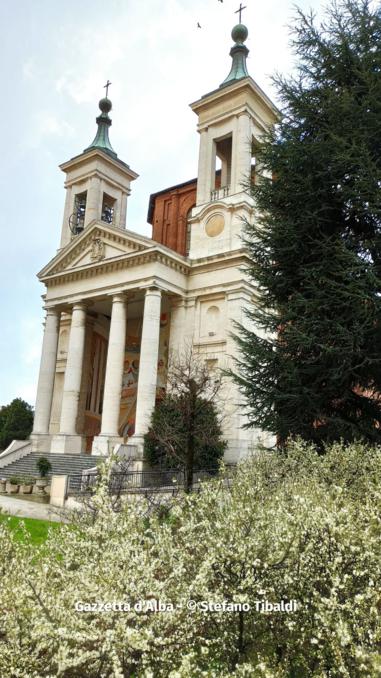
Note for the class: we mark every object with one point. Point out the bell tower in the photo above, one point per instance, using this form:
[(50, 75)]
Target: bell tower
[(231, 121), (97, 183)]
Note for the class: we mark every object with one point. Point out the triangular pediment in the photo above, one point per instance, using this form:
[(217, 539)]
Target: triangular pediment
[(95, 245)]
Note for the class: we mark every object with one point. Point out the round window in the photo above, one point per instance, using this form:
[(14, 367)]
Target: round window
[(215, 225)]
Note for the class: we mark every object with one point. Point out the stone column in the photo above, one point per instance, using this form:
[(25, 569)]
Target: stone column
[(68, 440), (242, 152), (224, 172), (123, 211), (46, 377), (66, 234), (206, 166), (114, 367), (105, 442), (93, 201), (73, 372), (149, 354), (201, 180)]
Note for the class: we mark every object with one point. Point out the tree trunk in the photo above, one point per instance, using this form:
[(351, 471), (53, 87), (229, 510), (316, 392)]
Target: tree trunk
[(189, 464)]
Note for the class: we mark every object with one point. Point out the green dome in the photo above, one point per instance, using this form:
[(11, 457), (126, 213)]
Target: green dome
[(102, 140), (105, 105), (240, 33)]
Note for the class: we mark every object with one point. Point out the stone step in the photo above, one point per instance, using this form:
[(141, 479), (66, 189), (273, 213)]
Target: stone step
[(62, 464)]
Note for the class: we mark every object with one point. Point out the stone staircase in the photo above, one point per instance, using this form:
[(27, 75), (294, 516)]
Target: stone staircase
[(62, 464)]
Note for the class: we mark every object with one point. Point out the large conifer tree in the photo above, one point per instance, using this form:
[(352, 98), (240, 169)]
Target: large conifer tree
[(316, 244)]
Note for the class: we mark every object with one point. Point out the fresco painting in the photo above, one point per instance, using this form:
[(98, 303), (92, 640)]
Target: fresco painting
[(131, 371)]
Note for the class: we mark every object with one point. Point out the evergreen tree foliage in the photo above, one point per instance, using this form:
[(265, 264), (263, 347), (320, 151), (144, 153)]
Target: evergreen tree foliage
[(167, 442), (16, 422), (311, 360), (185, 431)]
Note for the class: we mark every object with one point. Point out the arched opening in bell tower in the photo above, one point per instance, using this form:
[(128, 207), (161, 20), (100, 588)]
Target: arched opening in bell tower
[(222, 170)]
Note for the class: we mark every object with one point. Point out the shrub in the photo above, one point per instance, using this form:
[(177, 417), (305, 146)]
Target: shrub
[(43, 466), (295, 527), (185, 431), (165, 444), (26, 480)]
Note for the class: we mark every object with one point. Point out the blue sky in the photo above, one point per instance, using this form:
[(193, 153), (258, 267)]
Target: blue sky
[(55, 58)]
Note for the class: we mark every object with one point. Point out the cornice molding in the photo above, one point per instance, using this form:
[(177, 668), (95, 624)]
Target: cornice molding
[(94, 154), (235, 257), (144, 249), (226, 93), (125, 261), (83, 178)]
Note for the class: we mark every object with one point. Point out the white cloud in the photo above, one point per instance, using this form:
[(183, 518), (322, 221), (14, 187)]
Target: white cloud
[(46, 124), (158, 62)]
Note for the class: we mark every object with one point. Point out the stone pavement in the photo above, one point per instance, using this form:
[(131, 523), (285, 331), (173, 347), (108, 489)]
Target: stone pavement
[(29, 509)]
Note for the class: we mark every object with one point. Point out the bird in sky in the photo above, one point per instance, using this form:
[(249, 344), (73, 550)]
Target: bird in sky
[(220, 0), (198, 25)]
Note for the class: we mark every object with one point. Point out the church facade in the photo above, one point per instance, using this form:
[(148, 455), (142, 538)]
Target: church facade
[(118, 304)]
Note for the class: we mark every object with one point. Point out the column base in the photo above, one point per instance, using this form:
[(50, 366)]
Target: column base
[(103, 445), (41, 442), (63, 443), (137, 442)]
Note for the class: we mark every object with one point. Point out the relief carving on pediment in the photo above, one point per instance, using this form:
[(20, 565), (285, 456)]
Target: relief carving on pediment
[(98, 250)]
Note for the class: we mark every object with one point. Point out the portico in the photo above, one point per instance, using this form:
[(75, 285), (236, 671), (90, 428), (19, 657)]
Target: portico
[(110, 308)]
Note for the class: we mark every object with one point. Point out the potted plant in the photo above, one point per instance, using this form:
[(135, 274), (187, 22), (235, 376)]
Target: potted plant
[(26, 484), (13, 485), (3, 484), (43, 466)]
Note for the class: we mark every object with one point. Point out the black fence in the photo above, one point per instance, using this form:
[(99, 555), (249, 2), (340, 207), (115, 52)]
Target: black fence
[(135, 482)]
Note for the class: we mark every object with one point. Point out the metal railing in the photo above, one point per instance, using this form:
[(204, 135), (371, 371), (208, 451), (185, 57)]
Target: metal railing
[(140, 481), (219, 193), (82, 483)]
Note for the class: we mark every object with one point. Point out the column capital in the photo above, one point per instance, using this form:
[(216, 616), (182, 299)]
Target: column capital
[(176, 301), (154, 290), (241, 113), (119, 298), (190, 302), (80, 306), (52, 310)]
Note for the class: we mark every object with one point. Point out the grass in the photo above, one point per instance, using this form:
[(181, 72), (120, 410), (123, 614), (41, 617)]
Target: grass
[(37, 529)]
